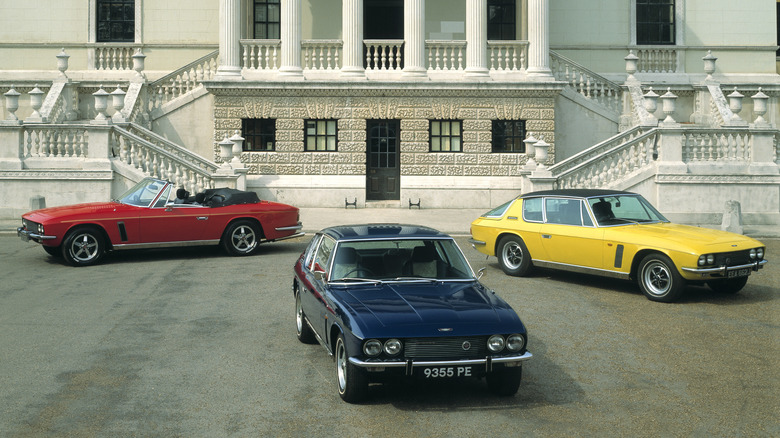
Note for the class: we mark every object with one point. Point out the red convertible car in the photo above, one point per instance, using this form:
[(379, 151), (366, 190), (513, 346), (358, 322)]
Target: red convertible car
[(154, 214)]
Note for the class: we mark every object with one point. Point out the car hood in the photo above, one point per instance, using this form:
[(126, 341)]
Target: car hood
[(55, 213), (402, 309), (695, 239)]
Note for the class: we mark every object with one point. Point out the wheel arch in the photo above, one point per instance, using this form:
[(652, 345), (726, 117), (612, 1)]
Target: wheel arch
[(100, 229), (503, 234), (641, 254), (251, 219)]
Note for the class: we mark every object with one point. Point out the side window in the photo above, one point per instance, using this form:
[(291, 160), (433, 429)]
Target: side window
[(308, 254), (563, 211), (324, 253), (163, 199), (586, 220), (532, 210)]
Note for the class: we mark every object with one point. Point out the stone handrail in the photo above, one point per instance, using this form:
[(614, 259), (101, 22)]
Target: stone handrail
[(261, 54), (446, 55), (321, 54), (157, 157), (586, 82), (182, 81), (53, 107), (508, 55), (384, 54), (54, 141)]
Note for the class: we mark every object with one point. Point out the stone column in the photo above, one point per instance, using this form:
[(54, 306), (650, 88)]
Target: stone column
[(538, 38), (414, 39), (352, 29), (476, 38), (229, 35), (291, 38)]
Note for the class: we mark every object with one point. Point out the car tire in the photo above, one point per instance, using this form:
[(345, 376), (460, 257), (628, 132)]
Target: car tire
[(513, 256), (302, 328), (54, 251), (505, 382), (241, 238), (351, 380), (659, 280), (83, 246), (728, 286)]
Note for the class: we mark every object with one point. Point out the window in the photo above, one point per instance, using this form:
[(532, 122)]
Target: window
[(501, 20), (267, 19), (508, 136), (116, 21), (320, 135), (446, 136), (655, 22), (563, 211), (259, 134), (532, 210)]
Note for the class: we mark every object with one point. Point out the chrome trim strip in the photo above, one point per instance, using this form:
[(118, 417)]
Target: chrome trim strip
[(123, 246), (293, 228), (724, 269), (580, 269), (440, 363)]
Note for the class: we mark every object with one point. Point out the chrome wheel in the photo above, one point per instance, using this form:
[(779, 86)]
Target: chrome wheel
[(658, 278), (341, 365), (241, 238), (83, 246), (512, 255)]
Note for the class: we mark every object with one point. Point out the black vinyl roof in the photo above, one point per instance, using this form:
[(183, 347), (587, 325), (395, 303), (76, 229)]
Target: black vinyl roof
[(382, 231), (576, 193)]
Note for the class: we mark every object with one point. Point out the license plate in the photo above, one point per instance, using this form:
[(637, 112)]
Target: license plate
[(739, 273), (24, 237), (437, 372)]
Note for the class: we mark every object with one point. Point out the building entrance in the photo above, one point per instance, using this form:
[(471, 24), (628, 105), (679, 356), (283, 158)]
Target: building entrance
[(383, 164)]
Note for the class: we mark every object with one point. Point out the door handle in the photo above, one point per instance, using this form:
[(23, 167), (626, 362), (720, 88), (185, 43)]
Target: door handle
[(546, 236), (203, 218)]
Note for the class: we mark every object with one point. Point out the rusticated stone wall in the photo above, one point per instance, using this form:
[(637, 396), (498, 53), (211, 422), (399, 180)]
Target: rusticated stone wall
[(414, 109)]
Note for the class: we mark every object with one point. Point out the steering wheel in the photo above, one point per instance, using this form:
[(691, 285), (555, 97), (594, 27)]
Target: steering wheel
[(365, 271)]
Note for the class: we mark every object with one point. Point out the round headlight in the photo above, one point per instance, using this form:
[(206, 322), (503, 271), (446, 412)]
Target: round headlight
[(392, 347), (702, 260), (40, 229), (372, 347), (710, 259), (495, 343), (760, 253), (515, 342), (753, 253)]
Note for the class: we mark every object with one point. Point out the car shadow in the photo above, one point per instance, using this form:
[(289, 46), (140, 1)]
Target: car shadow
[(544, 383)]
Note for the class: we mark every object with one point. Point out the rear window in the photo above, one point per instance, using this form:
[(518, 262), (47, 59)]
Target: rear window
[(532, 210), (500, 210)]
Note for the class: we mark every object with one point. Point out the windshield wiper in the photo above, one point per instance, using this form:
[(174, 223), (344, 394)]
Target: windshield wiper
[(424, 279), (357, 280)]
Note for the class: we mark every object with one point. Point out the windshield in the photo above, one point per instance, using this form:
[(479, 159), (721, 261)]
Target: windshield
[(143, 193), (400, 260), (624, 209)]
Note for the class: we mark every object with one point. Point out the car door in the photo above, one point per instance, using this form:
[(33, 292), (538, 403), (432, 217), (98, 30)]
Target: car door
[(569, 235), (166, 222)]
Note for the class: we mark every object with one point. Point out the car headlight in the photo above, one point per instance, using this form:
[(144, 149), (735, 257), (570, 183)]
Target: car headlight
[(753, 254), (40, 229), (706, 259), (515, 342), (495, 343), (393, 347), (372, 347), (760, 253)]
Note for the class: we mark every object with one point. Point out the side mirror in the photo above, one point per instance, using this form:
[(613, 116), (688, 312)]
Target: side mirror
[(480, 273), (320, 275)]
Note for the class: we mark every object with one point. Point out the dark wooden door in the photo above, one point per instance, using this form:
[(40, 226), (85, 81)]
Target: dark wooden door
[(383, 167)]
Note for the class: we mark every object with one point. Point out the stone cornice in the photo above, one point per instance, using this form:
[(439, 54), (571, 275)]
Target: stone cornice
[(26, 174), (717, 179)]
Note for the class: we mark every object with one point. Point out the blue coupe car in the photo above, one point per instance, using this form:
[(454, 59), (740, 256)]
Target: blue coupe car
[(389, 299)]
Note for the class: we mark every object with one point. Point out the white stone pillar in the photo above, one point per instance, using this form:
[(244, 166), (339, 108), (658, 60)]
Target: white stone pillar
[(229, 35), (352, 30), (291, 38), (414, 39), (476, 38), (538, 38)]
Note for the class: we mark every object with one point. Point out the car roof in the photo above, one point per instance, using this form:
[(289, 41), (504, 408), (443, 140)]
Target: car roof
[(382, 231), (576, 193)]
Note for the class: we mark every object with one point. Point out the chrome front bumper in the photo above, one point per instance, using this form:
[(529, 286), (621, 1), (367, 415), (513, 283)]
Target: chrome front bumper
[(29, 235), (723, 270), (410, 365)]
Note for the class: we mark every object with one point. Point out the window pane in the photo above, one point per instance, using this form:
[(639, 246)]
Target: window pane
[(331, 127), (436, 144), (456, 144), (435, 128), (274, 13)]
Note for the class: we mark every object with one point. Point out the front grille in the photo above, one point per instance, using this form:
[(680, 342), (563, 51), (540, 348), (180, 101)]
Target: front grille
[(445, 348), (30, 225), (733, 258)]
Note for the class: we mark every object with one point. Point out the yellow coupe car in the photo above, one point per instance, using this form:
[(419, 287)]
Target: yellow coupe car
[(615, 234)]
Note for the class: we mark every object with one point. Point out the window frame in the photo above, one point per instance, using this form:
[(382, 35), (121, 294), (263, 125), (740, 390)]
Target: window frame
[(262, 135), (674, 32), (267, 22), (317, 135), (516, 136), (448, 136)]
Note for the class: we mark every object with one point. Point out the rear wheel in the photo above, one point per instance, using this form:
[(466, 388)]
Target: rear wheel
[(241, 238), (83, 246), (729, 286), (513, 256), (352, 381), (505, 382), (659, 279)]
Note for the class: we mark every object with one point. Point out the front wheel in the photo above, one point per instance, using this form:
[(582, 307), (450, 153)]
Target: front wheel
[(659, 279), (513, 256), (729, 286), (54, 251), (352, 381), (83, 246), (241, 238), (302, 329), (505, 382)]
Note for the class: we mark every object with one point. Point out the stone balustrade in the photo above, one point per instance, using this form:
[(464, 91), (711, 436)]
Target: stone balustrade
[(321, 54), (261, 54), (446, 55), (182, 81), (54, 141), (508, 55), (113, 56), (656, 59), (587, 83), (384, 54)]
